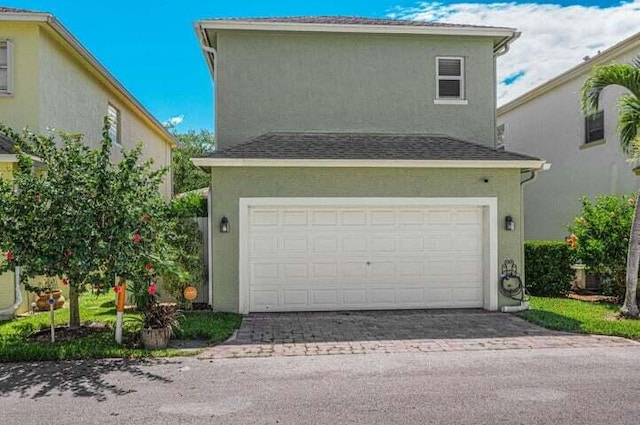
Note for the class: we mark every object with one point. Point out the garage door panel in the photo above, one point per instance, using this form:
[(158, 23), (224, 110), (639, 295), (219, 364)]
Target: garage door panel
[(328, 258)]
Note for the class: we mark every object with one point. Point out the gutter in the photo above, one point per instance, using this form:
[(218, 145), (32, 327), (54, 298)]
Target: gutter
[(504, 46)]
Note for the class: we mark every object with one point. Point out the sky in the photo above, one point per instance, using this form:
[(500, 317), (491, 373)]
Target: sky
[(151, 47)]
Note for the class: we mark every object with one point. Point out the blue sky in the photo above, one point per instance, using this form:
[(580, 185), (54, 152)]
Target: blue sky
[(150, 46)]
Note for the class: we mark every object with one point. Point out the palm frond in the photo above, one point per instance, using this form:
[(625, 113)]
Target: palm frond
[(603, 76), (629, 120)]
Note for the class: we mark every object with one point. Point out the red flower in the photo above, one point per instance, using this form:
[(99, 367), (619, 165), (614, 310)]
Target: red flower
[(68, 253), (152, 288), (65, 282), (10, 256), (37, 196), (145, 217), (137, 238), (117, 289), (149, 267)]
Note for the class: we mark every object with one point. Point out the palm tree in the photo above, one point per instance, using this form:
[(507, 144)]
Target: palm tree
[(628, 77)]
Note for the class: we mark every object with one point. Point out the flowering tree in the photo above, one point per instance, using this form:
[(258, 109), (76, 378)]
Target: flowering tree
[(80, 217)]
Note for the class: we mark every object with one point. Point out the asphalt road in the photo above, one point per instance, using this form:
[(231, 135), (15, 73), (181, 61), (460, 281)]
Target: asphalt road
[(546, 386)]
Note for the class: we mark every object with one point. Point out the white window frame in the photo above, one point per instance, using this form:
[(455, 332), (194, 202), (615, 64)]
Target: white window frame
[(449, 100), (117, 141), (9, 90)]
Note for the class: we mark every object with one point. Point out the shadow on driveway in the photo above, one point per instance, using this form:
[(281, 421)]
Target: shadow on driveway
[(284, 328), (85, 378)]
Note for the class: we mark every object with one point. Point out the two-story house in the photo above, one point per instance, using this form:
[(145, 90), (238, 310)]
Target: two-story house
[(356, 166), (48, 80), (585, 151)]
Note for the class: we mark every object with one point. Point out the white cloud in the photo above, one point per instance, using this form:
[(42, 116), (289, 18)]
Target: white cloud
[(174, 121), (554, 38)]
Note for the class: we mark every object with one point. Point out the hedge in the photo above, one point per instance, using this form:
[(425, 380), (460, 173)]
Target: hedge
[(548, 267)]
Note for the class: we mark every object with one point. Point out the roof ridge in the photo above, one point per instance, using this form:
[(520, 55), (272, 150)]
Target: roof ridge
[(349, 20), (7, 9)]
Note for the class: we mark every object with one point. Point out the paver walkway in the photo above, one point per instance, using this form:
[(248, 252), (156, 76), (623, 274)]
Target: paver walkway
[(322, 333)]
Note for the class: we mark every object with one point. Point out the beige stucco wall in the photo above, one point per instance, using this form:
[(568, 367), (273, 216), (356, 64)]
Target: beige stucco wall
[(74, 100), (552, 127), (269, 81), (22, 109), (231, 184)]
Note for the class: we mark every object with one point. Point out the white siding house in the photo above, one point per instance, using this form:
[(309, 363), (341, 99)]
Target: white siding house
[(548, 122)]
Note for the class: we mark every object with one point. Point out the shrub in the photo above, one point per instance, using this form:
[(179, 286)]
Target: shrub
[(187, 241), (548, 267), (189, 205), (600, 238)]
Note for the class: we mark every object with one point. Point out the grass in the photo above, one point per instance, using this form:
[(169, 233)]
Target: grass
[(565, 314), (15, 346)]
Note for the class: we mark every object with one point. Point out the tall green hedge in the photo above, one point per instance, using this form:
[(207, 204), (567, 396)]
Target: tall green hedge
[(548, 267)]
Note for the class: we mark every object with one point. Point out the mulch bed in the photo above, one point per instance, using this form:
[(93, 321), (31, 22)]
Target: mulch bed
[(64, 333), (592, 298)]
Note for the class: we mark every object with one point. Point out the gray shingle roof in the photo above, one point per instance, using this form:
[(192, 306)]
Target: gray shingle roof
[(4, 9), (351, 20), (6, 145), (365, 146)]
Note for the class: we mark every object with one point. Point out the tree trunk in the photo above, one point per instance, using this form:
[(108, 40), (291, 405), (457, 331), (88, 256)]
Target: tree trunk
[(630, 306), (74, 308)]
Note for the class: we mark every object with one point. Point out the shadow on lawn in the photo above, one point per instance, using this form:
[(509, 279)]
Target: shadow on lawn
[(83, 378), (550, 320)]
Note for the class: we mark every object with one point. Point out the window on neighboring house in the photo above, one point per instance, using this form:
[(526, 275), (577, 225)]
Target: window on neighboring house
[(114, 123), (500, 136), (450, 78), (594, 127), (6, 77)]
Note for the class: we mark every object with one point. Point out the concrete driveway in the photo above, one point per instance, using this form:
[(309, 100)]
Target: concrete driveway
[(363, 332)]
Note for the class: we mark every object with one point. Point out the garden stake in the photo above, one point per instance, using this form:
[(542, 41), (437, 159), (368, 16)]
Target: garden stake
[(51, 315), (120, 311)]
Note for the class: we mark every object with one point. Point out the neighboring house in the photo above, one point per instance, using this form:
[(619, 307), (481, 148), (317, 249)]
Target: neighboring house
[(585, 151), (48, 80), (356, 166)]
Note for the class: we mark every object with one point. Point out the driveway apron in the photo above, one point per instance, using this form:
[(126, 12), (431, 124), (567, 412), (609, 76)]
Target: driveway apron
[(363, 332)]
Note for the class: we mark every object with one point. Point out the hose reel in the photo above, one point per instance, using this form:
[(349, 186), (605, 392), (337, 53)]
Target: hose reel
[(510, 282)]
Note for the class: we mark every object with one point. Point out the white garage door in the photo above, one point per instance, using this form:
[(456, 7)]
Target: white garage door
[(363, 257)]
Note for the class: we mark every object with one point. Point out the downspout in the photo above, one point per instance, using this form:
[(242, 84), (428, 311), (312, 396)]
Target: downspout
[(9, 311), (524, 305), (210, 250)]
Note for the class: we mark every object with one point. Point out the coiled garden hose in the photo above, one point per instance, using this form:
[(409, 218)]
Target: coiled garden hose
[(510, 282)]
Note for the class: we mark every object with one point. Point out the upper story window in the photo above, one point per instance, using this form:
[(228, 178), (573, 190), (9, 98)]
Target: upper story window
[(594, 127), (114, 124), (6, 72), (450, 80)]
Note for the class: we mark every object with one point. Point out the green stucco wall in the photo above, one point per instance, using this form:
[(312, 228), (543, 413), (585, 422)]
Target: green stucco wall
[(231, 184), (308, 82)]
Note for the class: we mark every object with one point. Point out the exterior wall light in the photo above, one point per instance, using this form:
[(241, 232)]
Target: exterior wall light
[(509, 224), (224, 225)]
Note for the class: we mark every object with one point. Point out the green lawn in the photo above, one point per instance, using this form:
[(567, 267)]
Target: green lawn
[(565, 314), (14, 346)]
